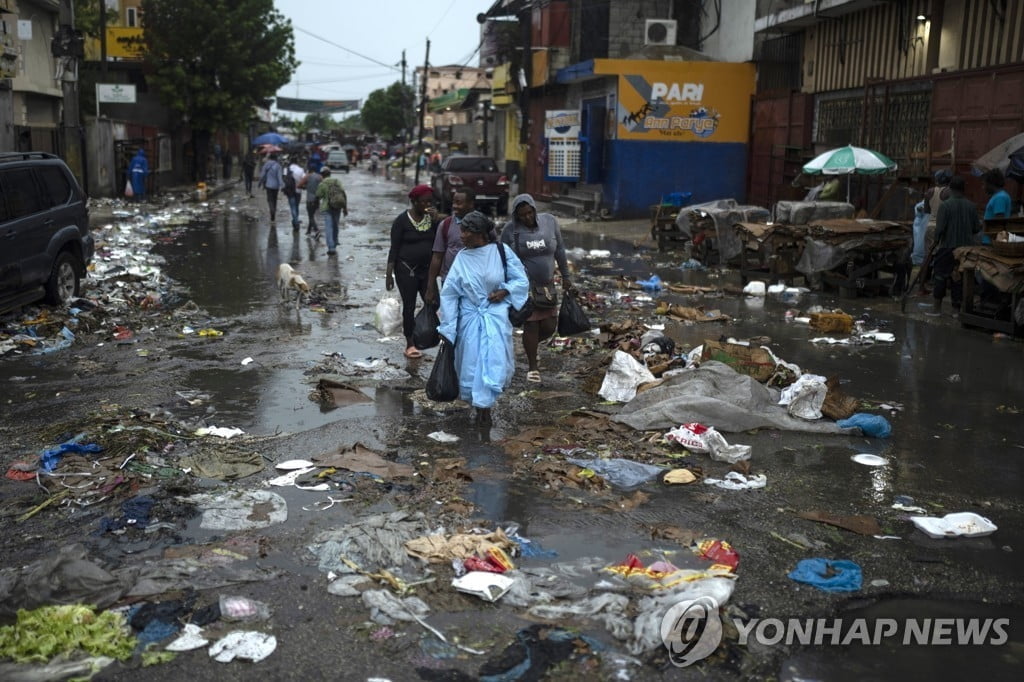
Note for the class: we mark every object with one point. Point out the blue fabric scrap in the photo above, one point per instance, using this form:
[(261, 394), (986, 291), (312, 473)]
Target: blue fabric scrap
[(846, 574), (531, 548), (49, 459)]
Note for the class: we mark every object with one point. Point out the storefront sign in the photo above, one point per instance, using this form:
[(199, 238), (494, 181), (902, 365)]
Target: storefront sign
[(562, 123), (115, 93)]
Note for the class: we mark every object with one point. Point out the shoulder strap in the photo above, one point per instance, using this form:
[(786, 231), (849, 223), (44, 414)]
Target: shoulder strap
[(515, 236), (504, 262)]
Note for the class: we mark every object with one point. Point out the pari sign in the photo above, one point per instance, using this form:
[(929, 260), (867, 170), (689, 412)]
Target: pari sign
[(681, 101)]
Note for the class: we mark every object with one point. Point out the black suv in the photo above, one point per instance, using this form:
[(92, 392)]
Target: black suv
[(45, 243)]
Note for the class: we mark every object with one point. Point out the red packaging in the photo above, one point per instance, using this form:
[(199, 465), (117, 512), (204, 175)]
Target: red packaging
[(719, 551)]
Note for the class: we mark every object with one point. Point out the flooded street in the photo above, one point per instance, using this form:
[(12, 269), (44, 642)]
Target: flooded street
[(954, 397)]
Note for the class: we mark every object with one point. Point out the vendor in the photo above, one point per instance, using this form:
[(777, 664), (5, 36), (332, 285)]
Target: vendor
[(955, 226)]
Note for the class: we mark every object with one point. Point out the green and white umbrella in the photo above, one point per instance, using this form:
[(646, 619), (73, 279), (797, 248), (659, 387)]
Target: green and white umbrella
[(849, 160)]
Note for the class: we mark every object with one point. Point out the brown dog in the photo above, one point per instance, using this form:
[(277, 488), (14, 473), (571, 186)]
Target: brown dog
[(288, 281)]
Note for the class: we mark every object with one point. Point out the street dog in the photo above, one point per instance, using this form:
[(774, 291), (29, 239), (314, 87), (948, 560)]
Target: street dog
[(289, 281)]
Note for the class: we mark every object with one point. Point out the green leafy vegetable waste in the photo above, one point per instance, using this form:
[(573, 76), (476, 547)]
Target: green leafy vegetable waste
[(41, 634)]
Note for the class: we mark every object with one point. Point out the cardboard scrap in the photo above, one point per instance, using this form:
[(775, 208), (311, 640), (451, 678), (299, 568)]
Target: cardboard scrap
[(437, 549), (862, 524), (360, 458)]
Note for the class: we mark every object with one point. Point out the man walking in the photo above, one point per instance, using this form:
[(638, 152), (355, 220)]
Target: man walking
[(448, 241), (293, 176), (138, 169), (333, 202), (272, 178), (310, 182), (956, 224), (248, 171)]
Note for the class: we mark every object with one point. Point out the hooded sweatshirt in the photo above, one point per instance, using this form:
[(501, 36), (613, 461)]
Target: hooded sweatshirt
[(539, 248)]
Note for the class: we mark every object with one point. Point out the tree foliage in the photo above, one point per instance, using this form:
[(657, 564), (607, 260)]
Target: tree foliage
[(213, 60), (320, 121), (388, 111), (87, 17)]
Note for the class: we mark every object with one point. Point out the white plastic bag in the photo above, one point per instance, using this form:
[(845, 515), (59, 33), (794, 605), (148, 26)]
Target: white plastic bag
[(705, 439), (805, 397), (623, 377), (387, 316)]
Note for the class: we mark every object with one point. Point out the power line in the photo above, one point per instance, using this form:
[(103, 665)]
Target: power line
[(431, 31), (342, 47)]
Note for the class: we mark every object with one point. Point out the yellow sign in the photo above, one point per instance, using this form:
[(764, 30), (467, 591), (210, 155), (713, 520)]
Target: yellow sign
[(125, 43), (681, 101)]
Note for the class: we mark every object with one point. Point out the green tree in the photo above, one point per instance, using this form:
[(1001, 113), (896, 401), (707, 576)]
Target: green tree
[(87, 17), (211, 61), (387, 112), (320, 121), (351, 123)]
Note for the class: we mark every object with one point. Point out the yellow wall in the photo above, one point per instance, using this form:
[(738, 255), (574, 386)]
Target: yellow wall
[(681, 101)]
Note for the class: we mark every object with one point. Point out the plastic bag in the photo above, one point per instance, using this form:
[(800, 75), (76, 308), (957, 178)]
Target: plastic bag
[(128, 191), (387, 316), (443, 385), (571, 317), (705, 439), (623, 377), (424, 332), (872, 425)]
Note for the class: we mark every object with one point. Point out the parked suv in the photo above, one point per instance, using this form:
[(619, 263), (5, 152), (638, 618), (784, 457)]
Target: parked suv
[(478, 173), (44, 230), (337, 160)]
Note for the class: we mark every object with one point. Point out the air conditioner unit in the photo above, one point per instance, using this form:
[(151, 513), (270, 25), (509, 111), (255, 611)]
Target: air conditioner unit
[(660, 32)]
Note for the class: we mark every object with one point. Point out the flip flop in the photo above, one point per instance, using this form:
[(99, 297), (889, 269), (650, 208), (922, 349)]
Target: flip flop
[(533, 376), (413, 353)]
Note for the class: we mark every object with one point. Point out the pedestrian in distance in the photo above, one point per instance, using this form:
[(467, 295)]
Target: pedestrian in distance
[(956, 225), (249, 171), (374, 164), (475, 300), (536, 239), (933, 198), (999, 203), (333, 203), (138, 171), (412, 238), (309, 183), (272, 179), (293, 175)]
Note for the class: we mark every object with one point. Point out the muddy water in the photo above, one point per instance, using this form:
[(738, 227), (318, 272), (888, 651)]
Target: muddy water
[(956, 428)]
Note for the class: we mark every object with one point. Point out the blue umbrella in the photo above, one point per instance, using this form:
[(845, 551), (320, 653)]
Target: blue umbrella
[(269, 138)]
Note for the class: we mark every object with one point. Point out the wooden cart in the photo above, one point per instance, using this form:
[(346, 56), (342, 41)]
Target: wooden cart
[(771, 251), (663, 226)]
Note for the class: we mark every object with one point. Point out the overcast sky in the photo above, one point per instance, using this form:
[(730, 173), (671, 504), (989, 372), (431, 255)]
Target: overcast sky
[(349, 48)]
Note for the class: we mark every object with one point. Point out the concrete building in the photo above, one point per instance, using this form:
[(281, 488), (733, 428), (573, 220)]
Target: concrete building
[(930, 83)]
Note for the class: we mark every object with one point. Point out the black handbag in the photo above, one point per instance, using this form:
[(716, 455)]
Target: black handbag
[(516, 316)]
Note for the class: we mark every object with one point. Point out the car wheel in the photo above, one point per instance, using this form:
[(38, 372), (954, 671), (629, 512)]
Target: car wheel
[(65, 279)]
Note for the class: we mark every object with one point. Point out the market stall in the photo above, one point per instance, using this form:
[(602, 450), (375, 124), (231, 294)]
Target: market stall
[(999, 306), (858, 256), (770, 251)]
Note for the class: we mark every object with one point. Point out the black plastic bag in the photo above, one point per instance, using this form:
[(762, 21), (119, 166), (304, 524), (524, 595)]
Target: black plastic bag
[(443, 384), (571, 318), (424, 331)]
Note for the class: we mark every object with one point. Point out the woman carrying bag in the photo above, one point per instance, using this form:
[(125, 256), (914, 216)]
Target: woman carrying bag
[(412, 238), (475, 300), (537, 240)]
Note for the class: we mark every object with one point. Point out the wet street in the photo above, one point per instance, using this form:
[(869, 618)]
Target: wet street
[(954, 397)]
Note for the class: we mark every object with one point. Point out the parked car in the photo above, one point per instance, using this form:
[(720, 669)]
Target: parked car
[(337, 160), (478, 173), (44, 227)]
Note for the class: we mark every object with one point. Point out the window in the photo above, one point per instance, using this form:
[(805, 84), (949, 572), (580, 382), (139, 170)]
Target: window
[(56, 186), (131, 17), (21, 193)]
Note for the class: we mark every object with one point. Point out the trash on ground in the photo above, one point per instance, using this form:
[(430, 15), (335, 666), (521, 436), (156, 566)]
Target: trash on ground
[(441, 548), (363, 459), (862, 524), (240, 510), (219, 431), (488, 586), (624, 473), (720, 552), (805, 397), (443, 437), (755, 362), (832, 323), (625, 374), (387, 316), (250, 645), (828, 575), (233, 608), (387, 609), (734, 480), (959, 524), (755, 288), (679, 477), (540, 651), (870, 460), (48, 632), (871, 425), (338, 394), (652, 284), (702, 439), (190, 639)]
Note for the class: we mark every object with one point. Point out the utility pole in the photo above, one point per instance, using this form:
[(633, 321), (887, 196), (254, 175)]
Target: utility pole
[(69, 49), (423, 110), (103, 40), (405, 118)]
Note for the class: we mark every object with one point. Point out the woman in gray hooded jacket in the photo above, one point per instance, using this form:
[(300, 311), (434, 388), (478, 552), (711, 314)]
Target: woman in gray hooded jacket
[(537, 240)]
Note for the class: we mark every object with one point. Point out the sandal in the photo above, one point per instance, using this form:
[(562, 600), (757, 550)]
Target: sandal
[(533, 376), (413, 353)]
